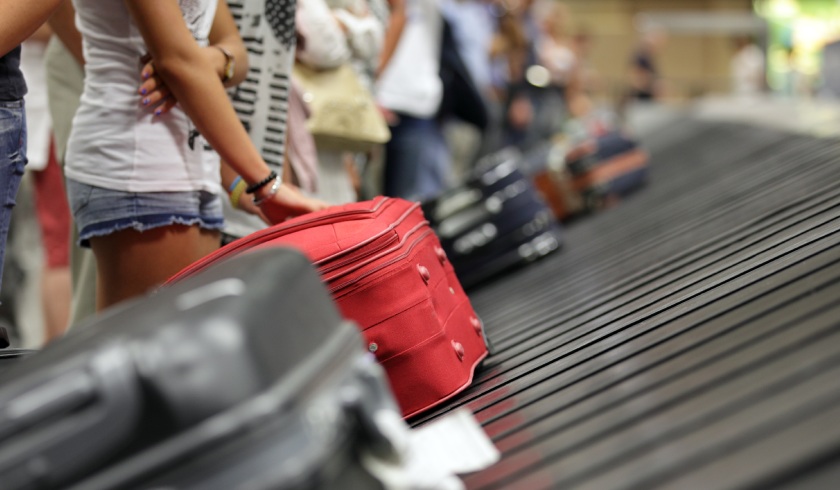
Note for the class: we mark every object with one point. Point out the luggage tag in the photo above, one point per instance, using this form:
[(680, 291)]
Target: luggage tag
[(434, 454)]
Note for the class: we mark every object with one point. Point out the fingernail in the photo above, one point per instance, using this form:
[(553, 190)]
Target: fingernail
[(145, 75), (158, 112), (146, 101), (143, 91)]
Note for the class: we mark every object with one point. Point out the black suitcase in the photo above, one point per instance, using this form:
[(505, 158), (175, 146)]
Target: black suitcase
[(243, 376), (494, 221)]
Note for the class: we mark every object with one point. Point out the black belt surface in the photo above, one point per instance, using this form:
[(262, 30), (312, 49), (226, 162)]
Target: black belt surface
[(689, 337)]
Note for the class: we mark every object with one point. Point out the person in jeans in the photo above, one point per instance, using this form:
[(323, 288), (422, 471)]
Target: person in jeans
[(409, 92), (18, 21)]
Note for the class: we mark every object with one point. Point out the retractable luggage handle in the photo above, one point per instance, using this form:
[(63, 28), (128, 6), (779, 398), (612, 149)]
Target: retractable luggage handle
[(105, 385), (384, 430), (457, 202), (451, 227), (364, 402), (8, 353)]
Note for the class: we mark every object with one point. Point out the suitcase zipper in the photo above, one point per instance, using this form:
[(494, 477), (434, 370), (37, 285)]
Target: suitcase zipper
[(270, 233), (372, 250), (335, 289), (370, 259), (370, 240)]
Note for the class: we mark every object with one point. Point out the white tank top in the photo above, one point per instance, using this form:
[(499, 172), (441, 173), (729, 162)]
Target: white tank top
[(116, 142)]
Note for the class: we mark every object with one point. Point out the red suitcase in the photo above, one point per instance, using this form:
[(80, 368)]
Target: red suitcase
[(387, 272)]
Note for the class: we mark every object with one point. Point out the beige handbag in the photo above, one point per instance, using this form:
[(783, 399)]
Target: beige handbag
[(343, 114)]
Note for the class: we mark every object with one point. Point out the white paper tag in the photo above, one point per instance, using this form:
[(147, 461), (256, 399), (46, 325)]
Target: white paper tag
[(435, 453), (455, 442)]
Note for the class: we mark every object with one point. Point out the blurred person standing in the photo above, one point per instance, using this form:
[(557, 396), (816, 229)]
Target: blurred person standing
[(50, 199), (645, 77), (554, 47), (830, 69), (589, 77), (796, 81), (409, 90), (555, 53), (586, 82), (514, 50), (18, 21), (336, 33), (64, 63), (263, 102), (472, 27), (747, 68)]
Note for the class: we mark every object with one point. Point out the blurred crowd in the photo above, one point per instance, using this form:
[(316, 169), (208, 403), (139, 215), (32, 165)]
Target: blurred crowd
[(343, 99), (339, 100)]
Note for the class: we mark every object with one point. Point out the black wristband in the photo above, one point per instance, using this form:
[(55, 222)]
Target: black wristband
[(259, 185)]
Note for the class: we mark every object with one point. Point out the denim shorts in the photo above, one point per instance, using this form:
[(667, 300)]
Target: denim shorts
[(12, 162), (98, 211)]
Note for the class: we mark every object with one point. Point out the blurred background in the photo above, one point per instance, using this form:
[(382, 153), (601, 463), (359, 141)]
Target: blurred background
[(701, 44), (638, 61)]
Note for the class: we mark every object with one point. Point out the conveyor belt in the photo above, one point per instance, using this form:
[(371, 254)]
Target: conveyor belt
[(688, 338)]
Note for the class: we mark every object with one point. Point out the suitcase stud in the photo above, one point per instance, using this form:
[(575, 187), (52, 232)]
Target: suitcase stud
[(476, 323), (424, 273), (373, 347), (441, 254), (459, 350), (451, 290)]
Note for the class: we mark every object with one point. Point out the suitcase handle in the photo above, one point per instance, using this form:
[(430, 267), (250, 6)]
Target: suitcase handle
[(468, 219), (455, 202), (96, 400), (61, 395), (385, 431)]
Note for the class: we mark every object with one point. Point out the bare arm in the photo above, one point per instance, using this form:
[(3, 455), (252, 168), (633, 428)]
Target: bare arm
[(20, 19), (325, 43), (224, 34), (63, 23), (42, 35), (364, 34), (193, 80), (393, 32)]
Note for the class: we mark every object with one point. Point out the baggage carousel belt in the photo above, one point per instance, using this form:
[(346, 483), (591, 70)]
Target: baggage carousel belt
[(688, 338)]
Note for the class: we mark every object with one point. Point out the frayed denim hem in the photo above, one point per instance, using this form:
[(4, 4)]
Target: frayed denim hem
[(144, 223)]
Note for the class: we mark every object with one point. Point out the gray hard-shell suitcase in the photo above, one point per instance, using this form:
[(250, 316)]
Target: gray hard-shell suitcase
[(243, 376), (10, 357)]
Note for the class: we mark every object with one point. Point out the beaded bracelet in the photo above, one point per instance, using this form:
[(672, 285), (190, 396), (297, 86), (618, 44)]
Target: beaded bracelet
[(237, 192), (274, 188), (259, 185)]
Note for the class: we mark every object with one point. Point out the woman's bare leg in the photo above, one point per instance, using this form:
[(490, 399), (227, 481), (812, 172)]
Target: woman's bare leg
[(130, 263)]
